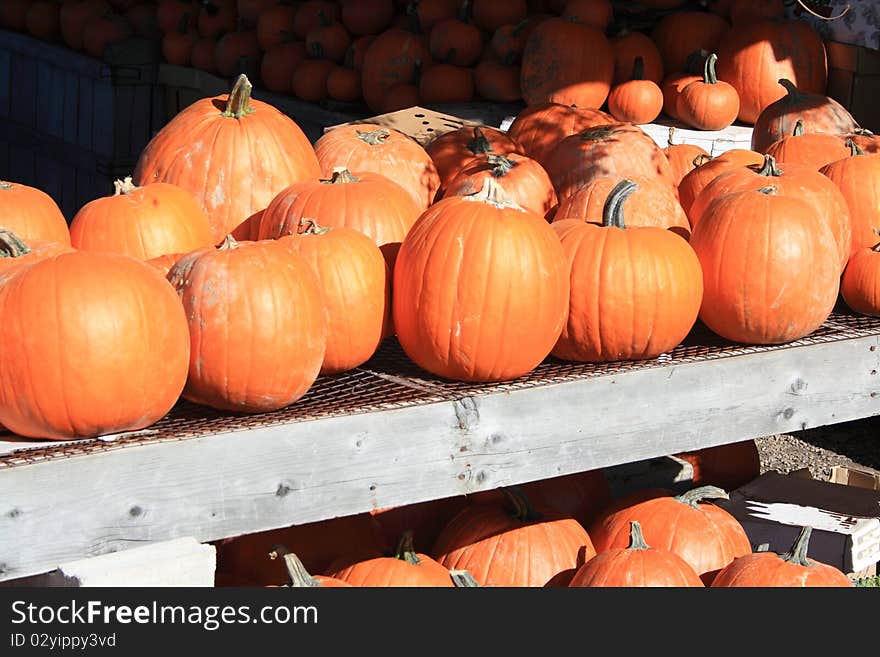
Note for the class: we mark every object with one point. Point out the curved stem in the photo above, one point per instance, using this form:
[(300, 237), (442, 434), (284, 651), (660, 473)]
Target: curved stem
[(701, 159), (798, 128), (636, 538), (228, 244), (794, 94), (340, 176), (125, 186), (798, 553), (692, 497), (492, 193), (11, 245), (612, 213), (374, 137), (709, 74), (311, 227), (501, 165), (521, 508), (669, 136), (463, 579), (854, 148), (405, 550), (297, 574), (769, 168), (238, 103)]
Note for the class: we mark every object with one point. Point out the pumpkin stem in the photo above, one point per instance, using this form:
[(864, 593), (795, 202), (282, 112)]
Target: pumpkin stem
[(238, 103), (521, 508), (311, 227), (501, 165), (798, 553), (701, 159), (863, 132), (463, 579), (229, 243), (769, 168), (480, 145), (854, 148), (670, 135), (798, 128), (876, 248), (405, 550), (125, 186), (375, 137), (598, 133), (702, 493), (636, 538), (464, 12), (11, 245), (341, 175), (296, 572), (794, 94), (324, 19), (709, 74), (6, 185), (769, 190), (612, 213), (493, 194), (638, 68)]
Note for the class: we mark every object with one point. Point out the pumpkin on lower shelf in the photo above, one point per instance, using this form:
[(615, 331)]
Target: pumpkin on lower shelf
[(683, 158), (297, 574), (860, 284), (726, 466), (706, 171)]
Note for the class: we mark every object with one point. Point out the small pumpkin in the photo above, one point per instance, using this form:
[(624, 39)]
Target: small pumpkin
[(457, 40), (406, 568), (217, 17), (672, 86), (683, 158), (297, 574), (727, 466), (73, 17), (497, 81), (312, 13), (489, 15), (32, 214), (278, 65), (860, 284), (275, 26), (391, 59), (103, 30), (169, 14), (310, 79), (637, 100), (595, 13), (164, 263), (328, 40), (707, 170), (238, 53), (811, 149), (344, 84), (709, 103), (366, 17)]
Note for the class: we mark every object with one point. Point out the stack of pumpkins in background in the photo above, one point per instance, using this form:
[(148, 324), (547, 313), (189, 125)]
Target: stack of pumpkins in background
[(706, 66)]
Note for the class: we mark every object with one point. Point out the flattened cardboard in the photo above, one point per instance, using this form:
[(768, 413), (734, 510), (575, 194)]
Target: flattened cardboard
[(421, 124)]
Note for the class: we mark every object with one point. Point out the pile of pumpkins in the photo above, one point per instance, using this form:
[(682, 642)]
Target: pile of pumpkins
[(566, 531), (705, 67), (240, 261)]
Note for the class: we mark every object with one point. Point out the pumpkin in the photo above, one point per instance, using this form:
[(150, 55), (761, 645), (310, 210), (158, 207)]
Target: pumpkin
[(681, 33), (217, 18), (364, 201), (143, 222), (299, 576), (811, 149), (524, 180), (662, 286), (672, 86), (344, 84), (454, 150), (43, 20), (238, 53), (706, 536), (770, 289), (859, 284), (164, 263), (73, 17), (392, 58), (744, 11), (539, 128), (275, 26), (363, 147), (249, 229), (15, 252), (144, 21), (595, 13), (638, 100), (651, 203), (32, 214), (489, 15), (279, 64), (170, 13), (858, 179), (818, 113), (511, 317), (683, 158), (616, 149), (357, 52), (202, 55), (792, 569), (177, 46), (710, 103), (101, 347), (424, 519), (567, 63), (102, 30), (400, 96), (356, 289), (328, 40), (310, 79), (430, 12), (259, 345), (407, 568), (627, 46), (248, 11), (756, 55), (318, 545), (706, 171), (232, 153), (636, 565), (514, 544), (445, 83), (727, 466), (865, 139), (366, 17), (496, 81), (508, 42), (312, 13), (13, 14), (793, 180), (456, 40)]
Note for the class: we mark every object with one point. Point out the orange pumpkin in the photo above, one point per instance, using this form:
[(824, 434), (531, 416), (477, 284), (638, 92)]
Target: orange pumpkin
[(164, 263), (681, 33), (143, 222), (454, 150), (638, 100), (202, 54), (860, 285), (259, 345), (407, 568), (311, 13), (709, 103), (672, 86), (344, 84), (217, 17), (456, 40), (628, 45), (232, 153), (32, 214), (811, 149), (489, 15), (445, 83), (102, 30), (511, 317), (101, 318), (15, 251), (858, 179), (539, 129), (683, 158), (73, 17), (595, 13), (706, 171), (238, 53), (279, 64), (310, 79), (328, 40), (366, 17), (170, 13), (391, 59), (727, 466), (496, 81), (275, 26)]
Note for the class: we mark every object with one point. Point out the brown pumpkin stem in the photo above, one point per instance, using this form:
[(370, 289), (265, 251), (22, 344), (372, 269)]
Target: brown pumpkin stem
[(501, 165), (341, 176), (638, 68), (297, 574), (598, 133), (798, 128), (798, 553), (854, 148), (876, 248), (636, 538), (794, 94), (493, 194), (228, 244), (125, 186), (463, 579), (709, 74), (238, 103), (612, 213), (520, 507), (692, 497), (405, 550), (480, 145), (311, 227), (11, 245), (769, 168), (374, 137), (6, 185), (701, 159)]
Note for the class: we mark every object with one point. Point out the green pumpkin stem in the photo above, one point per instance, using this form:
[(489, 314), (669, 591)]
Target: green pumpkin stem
[(480, 145), (692, 497), (636, 538), (309, 226), (798, 553), (798, 128), (239, 102), (125, 186), (854, 148), (794, 95), (11, 245), (405, 550), (638, 69), (521, 508), (612, 213), (297, 574), (769, 168), (463, 579), (374, 137), (501, 165), (709, 74)]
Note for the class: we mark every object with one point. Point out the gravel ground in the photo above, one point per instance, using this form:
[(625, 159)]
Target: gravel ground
[(854, 443)]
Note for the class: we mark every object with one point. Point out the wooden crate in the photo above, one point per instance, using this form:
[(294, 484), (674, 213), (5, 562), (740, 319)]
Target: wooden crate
[(854, 81)]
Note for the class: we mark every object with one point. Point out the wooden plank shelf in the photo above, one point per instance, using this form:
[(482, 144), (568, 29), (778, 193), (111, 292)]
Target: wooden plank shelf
[(390, 434)]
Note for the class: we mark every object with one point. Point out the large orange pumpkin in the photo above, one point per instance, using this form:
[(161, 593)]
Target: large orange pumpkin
[(31, 213), (143, 222), (232, 153), (356, 289), (858, 179), (706, 536), (771, 269), (406, 568), (707, 170), (456, 149), (257, 325), (645, 311), (811, 149), (364, 147), (97, 343), (507, 316)]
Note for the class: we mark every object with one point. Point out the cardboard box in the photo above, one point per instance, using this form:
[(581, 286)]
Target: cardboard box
[(845, 518)]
